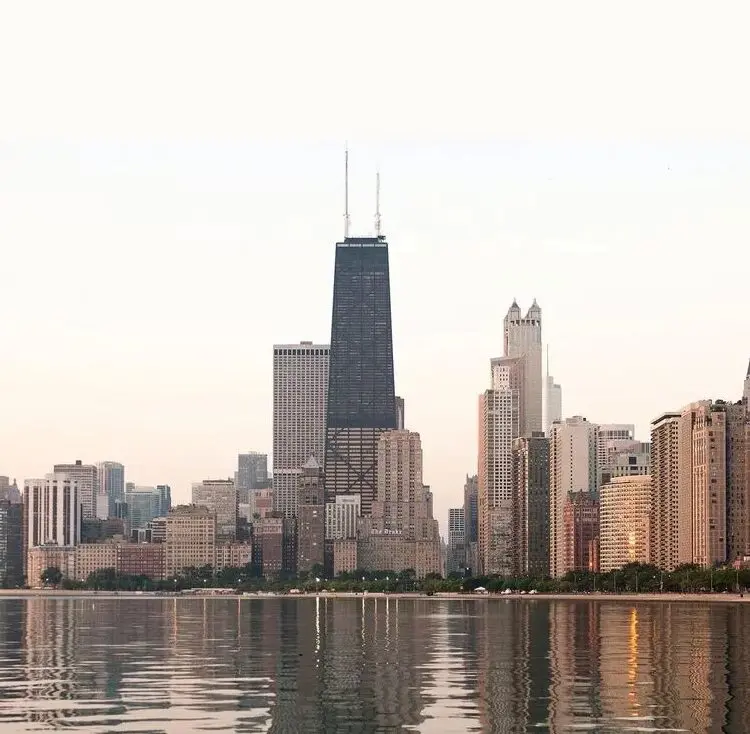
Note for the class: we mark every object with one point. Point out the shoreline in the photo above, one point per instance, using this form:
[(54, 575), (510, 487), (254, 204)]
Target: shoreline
[(717, 598)]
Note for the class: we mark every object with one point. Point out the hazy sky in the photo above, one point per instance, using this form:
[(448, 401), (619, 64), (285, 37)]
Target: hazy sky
[(171, 192)]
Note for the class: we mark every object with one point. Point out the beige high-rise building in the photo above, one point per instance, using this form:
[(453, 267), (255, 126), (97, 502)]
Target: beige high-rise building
[(523, 339), (219, 496), (738, 481), (664, 543), (702, 467), (572, 468), (499, 424), (401, 533), (624, 522), (191, 539)]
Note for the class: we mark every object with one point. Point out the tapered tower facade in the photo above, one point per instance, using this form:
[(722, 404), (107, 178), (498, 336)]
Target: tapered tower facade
[(361, 400), (523, 339)]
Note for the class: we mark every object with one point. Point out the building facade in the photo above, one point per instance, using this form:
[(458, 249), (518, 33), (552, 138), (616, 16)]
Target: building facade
[(310, 517), (523, 340), (111, 484), (572, 468), (300, 392), (471, 515), (144, 504), (531, 504), (191, 539), (42, 557), (456, 561), (632, 459), (401, 532), (220, 497), (580, 532), (625, 522), (11, 544), (52, 510), (361, 401), (499, 424), (86, 478), (252, 473), (664, 542)]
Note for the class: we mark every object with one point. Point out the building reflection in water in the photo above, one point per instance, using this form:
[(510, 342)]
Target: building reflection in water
[(364, 664)]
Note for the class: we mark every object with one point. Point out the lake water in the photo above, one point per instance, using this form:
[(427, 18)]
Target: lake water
[(366, 665)]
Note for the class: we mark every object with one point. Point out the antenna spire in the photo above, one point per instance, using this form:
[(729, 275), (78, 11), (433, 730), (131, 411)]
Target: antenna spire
[(377, 204), (346, 191)]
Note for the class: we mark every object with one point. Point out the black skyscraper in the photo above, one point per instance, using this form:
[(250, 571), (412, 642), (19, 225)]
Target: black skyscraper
[(361, 397)]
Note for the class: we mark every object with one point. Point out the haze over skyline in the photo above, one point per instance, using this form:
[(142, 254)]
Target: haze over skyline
[(164, 220)]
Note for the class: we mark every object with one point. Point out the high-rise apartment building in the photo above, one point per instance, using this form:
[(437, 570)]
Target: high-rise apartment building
[(401, 532), (665, 492), (627, 459), (738, 481), (614, 437), (361, 402), (11, 544), (499, 423), (111, 484), (471, 517), (701, 485), (190, 539), (52, 510), (220, 497), (251, 474), (310, 517), (581, 532), (531, 504), (702, 480), (342, 517), (471, 514), (523, 339), (456, 561), (300, 390), (85, 476), (624, 522), (572, 468)]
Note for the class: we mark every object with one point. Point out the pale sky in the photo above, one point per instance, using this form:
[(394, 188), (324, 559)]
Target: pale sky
[(171, 191)]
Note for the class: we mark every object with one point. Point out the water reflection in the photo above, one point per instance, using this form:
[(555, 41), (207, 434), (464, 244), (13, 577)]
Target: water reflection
[(371, 665)]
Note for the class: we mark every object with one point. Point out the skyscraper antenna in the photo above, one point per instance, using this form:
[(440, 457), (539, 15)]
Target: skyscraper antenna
[(346, 191), (377, 204), (548, 360)]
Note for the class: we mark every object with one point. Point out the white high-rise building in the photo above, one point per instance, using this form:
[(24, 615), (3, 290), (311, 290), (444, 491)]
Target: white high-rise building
[(499, 423), (342, 517), (300, 392), (87, 479), (572, 468), (523, 338), (52, 510)]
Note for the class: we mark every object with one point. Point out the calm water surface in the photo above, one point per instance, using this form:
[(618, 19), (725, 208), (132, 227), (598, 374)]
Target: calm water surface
[(366, 665)]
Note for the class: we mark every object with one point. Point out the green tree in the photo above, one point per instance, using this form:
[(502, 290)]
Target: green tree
[(52, 576)]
